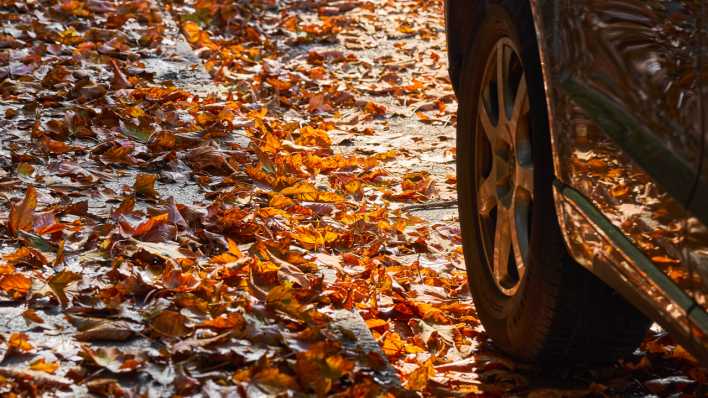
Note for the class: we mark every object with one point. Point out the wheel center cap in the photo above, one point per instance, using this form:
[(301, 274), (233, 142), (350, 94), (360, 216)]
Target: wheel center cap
[(504, 174)]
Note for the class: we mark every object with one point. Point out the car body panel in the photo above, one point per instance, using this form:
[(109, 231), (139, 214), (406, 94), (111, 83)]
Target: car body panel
[(700, 199), (598, 245), (625, 115), (625, 109)]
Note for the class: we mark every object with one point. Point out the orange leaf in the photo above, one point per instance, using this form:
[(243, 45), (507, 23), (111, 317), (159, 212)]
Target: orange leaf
[(376, 323), (21, 216), (31, 315), (224, 322), (42, 366), (55, 147), (393, 345), (229, 256), (192, 31), (15, 284), (663, 260), (19, 342), (418, 379), (25, 255)]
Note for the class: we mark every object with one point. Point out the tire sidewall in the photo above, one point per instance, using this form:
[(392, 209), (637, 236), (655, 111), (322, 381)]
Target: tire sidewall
[(515, 323)]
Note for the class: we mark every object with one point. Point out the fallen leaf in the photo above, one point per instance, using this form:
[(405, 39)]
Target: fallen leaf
[(21, 216), (42, 366), (170, 324)]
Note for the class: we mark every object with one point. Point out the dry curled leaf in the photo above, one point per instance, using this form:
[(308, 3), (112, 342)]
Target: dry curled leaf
[(21, 215), (145, 185)]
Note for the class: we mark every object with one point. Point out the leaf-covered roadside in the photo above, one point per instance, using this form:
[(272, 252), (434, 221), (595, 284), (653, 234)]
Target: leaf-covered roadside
[(164, 237), (193, 189)]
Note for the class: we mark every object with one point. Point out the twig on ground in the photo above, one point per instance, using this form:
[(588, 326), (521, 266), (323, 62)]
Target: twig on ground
[(443, 204)]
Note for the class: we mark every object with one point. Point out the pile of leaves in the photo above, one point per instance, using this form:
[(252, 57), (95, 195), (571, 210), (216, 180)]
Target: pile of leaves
[(184, 211)]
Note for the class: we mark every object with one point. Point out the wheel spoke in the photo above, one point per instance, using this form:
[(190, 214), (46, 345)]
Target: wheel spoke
[(503, 54), (487, 195), (520, 232), (502, 245), (521, 104), (486, 122)]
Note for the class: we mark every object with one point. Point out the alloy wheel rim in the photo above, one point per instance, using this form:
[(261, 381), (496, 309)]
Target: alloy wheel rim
[(504, 167)]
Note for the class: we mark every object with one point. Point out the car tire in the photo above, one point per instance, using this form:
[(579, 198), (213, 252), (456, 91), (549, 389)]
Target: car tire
[(558, 312)]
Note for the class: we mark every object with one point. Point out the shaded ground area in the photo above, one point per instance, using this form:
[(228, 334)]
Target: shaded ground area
[(246, 198)]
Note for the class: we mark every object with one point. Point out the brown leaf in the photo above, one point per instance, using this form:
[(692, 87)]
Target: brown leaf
[(145, 185), (21, 216), (58, 283), (120, 81), (170, 323), (31, 315), (275, 382), (112, 359), (106, 331), (39, 379)]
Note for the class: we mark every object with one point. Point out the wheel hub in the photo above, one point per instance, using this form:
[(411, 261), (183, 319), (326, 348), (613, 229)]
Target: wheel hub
[(504, 169)]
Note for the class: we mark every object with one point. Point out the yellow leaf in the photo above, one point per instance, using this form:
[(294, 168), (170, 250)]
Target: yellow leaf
[(418, 379), (42, 366), (376, 323), (192, 31), (393, 345), (19, 342)]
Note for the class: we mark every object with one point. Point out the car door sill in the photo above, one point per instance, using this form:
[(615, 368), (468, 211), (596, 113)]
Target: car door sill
[(638, 262)]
